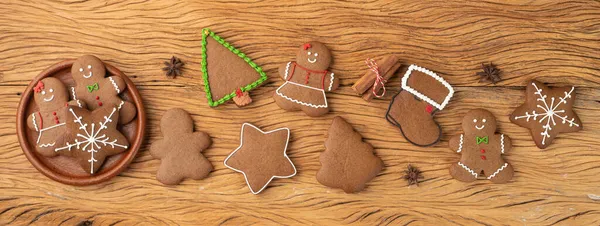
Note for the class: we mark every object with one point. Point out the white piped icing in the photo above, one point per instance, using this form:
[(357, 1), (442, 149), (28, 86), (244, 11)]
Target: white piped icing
[(460, 145), (301, 102), (409, 89), (331, 82), (502, 143), (468, 169), (287, 69), (498, 171), (34, 122), (114, 84)]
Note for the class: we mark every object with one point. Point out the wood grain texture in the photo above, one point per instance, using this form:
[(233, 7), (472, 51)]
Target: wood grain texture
[(556, 42)]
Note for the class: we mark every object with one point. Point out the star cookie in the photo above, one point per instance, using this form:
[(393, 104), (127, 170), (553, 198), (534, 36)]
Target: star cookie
[(261, 156), (547, 112), (180, 152), (93, 136)]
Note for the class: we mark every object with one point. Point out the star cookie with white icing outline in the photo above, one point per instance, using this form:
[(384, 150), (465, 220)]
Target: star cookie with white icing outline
[(261, 156)]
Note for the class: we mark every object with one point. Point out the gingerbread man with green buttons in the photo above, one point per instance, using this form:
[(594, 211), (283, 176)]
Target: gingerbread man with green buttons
[(96, 90), (481, 148)]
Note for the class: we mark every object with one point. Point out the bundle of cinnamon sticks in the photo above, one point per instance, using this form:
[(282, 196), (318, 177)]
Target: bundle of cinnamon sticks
[(388, 65)]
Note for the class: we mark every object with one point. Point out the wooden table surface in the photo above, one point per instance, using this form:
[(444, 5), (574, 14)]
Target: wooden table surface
[(557, 43)]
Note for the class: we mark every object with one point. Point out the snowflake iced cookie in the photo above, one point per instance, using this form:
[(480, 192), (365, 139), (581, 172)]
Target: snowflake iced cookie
[(547, 112), (422, 94), (96, 90), (347, 162), (261, 157), (92, 136), (51, 97), (307, 80), (180, 152), (481, 149)]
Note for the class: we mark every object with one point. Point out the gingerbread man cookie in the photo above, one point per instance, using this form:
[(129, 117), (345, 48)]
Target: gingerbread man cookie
[(180, 152), (307, 80), (481, 149), (96, 90), (51, 97)]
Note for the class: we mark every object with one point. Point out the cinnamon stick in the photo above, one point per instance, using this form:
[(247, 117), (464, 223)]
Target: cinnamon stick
[(365, 83), (368, 96)]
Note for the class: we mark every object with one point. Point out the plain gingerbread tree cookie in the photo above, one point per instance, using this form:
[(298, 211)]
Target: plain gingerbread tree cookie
[(481, 149), (307, 80), (347, 162), (180, 152), (96, 90)]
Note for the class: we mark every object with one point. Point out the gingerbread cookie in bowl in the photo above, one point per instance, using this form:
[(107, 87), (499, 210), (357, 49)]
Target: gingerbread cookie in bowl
[(96, 90), (481, 148), (307, 80), (51, 97)]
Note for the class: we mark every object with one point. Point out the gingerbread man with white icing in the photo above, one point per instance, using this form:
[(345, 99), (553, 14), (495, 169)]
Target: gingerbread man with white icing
[(51, 97), (96, 90), (481, 149), (307, 80)]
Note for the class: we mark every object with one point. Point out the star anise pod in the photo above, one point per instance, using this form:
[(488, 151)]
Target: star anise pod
[(412, 175), (173, 67), (490, 72)]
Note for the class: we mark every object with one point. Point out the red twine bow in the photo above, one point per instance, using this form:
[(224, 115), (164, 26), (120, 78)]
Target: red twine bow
[(378, 79), (38, 87)]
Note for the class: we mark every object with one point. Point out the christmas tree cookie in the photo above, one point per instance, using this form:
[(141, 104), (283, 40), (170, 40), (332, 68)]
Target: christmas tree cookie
[(227, 72), (347, 162)]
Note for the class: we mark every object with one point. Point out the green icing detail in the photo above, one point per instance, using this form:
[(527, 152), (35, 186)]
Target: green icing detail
[(263, 77)]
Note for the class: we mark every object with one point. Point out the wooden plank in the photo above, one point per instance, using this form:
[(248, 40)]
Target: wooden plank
[(548, 186), (555, 42)]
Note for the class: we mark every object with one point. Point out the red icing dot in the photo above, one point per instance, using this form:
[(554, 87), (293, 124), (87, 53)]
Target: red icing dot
[(429, 109), (54, 113), (97, 98), (483, 157), (482, 150), (99, 103)]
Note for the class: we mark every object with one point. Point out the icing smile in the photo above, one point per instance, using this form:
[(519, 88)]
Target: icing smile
[(480, 128), (49, 99), (312, 61), (88, 76)]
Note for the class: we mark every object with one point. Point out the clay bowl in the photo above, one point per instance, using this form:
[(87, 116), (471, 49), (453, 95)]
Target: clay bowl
[(65, 169)]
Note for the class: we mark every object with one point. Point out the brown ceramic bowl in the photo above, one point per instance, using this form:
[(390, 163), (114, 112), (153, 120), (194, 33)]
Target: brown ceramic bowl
[(65, 169)]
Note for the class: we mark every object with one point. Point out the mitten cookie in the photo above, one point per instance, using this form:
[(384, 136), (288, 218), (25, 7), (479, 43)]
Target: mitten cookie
[(261, 156), (180, 152), (227, 72), (547, 112), (481, 149), (347, 162), (307, 80), (96, 90), (51, 97), (423, 93), (92, 136)]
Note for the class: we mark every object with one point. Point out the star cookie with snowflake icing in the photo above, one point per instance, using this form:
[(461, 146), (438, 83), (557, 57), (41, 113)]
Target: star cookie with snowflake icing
[(93, 136), (547, 112)]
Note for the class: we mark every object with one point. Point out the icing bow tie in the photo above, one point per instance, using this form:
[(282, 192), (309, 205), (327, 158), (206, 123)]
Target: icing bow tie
[(93, 87), (482, 140)]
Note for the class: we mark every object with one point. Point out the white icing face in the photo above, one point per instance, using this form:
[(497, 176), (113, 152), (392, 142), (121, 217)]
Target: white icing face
[(51, 91), (312, 61), (479, 127), (89, 67)]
